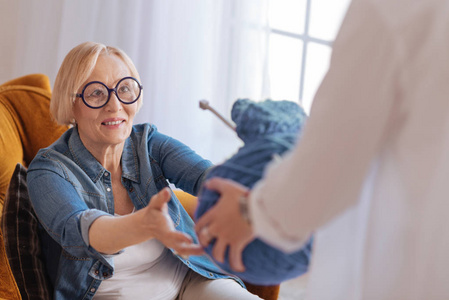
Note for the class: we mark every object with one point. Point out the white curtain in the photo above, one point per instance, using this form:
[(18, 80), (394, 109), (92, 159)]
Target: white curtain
[(184, 50)]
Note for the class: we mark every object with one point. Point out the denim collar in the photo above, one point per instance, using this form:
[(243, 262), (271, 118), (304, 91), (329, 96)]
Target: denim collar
[(93, 168)]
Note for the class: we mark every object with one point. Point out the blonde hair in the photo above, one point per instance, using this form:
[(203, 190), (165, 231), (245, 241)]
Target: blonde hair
[(76, 68)]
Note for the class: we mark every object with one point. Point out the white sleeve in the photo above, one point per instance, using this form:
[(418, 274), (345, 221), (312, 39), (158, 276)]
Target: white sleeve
[(323, 175)]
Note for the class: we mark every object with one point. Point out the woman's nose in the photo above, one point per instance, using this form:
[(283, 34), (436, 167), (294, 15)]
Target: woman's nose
[(114, 103)]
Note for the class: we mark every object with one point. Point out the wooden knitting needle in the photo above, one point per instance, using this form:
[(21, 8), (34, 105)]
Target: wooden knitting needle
[(204, 104)]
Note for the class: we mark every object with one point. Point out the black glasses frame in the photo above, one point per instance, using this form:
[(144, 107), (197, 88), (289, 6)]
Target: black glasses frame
[(114, 90)]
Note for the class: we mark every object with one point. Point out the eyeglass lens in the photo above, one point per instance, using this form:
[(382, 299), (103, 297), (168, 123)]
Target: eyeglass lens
[(96, 94)]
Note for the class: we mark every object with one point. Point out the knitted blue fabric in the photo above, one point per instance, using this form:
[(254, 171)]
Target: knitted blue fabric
[(266, 128)]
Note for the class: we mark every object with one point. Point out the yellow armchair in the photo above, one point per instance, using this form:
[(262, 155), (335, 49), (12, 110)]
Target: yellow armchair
[(25, 127)]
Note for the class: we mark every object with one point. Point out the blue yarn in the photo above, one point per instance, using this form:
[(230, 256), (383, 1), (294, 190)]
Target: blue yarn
[(266, 128)]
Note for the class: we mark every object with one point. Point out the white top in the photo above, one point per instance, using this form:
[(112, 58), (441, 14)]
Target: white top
[(146, 271), (371, 171)]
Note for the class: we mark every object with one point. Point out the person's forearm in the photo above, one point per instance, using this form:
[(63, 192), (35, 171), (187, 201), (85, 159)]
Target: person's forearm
[(109, 234)]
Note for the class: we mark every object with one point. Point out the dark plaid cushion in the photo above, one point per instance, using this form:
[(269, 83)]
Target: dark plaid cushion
[(22, 244)]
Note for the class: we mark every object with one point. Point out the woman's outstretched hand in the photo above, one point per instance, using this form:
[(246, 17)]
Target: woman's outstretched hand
[(162, 227), (225, 223)]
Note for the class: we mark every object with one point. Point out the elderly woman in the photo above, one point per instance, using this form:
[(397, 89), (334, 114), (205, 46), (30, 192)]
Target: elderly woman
[(111, 228)]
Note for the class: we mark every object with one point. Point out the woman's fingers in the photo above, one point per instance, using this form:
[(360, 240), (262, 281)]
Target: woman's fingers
[(159, 200), (219, 250), (221, 185), (186, 250), (164, 229), (204, 236), (182, 244), (224, 223), (235, 257)]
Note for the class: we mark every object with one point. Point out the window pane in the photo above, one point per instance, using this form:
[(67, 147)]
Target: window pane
[(287, 15), (284, 67), (317, 63), (326, 17)]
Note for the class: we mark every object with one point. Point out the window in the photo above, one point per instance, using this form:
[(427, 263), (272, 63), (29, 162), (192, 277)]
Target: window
[(301, 33)]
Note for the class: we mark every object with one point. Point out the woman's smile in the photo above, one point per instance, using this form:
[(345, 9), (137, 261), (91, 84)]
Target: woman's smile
[(113, 123)]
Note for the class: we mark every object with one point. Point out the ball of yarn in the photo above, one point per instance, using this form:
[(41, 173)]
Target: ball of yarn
[(267, 128)]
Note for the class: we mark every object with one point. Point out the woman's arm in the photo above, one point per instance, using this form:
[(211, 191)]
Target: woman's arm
[(60, 210), (110, 234), (180, 164), (91, 233)]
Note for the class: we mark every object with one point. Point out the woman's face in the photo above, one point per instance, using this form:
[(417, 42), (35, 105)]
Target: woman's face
[(111, 124)]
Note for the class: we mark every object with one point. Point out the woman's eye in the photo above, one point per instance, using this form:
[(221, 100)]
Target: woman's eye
[(124, 89), (96, 94)]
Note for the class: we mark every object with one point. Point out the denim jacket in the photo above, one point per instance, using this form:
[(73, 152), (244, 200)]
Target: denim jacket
[(70, 189)]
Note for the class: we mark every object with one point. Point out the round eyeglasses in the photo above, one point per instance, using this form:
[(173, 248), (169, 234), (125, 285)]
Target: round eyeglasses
[(96, 94)]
